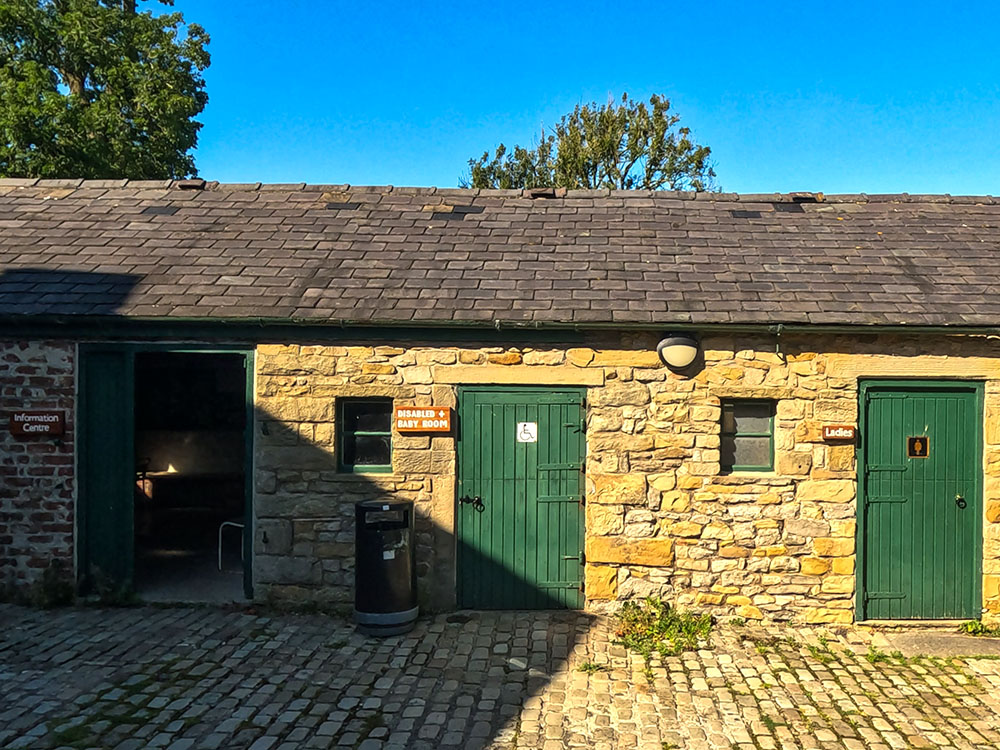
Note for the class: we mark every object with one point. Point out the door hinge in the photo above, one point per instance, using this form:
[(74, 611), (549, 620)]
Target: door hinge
[(878, 595)]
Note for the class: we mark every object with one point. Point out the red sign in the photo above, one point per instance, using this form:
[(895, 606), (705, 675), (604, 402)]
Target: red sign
[(838, 432), (422, 418), (37, 423)]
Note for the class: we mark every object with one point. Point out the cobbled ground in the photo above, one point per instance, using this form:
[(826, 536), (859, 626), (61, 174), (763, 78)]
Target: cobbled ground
[(182, 678)]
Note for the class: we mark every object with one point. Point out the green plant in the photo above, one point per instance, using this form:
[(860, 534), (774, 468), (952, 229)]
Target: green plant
[(977, 628), (54, 588), (75, 735), (874, 656), (112, 594), (588, 667), (372, 722), (822, 655), (738, 622), (764, 645), (653, 626)]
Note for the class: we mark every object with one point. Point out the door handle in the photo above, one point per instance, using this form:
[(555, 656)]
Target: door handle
[(960, 501), (476, 502)]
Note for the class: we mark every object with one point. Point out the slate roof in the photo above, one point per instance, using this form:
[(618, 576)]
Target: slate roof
[(341, 253)]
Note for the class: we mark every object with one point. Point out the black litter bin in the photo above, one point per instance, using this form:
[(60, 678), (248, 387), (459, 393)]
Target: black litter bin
[(385, 576)]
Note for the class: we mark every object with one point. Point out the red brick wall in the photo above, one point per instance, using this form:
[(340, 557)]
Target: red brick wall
[(37, 487)]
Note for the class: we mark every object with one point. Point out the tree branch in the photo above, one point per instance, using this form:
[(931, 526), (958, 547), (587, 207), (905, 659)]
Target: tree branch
[(73, 81)]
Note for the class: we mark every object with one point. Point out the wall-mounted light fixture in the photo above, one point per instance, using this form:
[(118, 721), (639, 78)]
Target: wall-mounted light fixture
[(678, 351)]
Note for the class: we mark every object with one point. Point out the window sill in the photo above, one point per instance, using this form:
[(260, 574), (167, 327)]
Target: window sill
[(360, 472), (770, 478)]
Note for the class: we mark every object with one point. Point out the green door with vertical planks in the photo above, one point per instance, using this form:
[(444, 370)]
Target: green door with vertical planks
[(920, 470), (106, 467), (520, 489)]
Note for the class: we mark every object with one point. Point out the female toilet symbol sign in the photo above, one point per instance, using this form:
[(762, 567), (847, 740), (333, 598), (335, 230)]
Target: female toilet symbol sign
[(527, 432)]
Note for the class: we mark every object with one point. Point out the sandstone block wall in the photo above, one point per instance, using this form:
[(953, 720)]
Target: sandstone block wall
[(661, 517), (36, 473), (304, 537)]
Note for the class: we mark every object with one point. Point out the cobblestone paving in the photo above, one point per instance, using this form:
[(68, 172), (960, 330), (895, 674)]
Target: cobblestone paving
[(183, 678)]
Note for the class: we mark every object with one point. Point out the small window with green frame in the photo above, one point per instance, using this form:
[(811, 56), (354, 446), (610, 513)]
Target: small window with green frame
[(747, 437), (364, 435)]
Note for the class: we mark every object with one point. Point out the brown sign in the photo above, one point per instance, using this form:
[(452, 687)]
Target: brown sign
[(918, 446), (37, 423), (839, 432), (422, 419)]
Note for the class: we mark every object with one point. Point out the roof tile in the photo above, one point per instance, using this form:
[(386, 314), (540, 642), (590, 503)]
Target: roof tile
[(382, 254)]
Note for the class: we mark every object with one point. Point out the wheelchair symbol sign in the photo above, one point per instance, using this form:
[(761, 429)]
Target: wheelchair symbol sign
[(527, 432)]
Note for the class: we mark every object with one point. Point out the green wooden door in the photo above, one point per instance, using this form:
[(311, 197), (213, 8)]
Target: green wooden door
[(106, 467), (921, 466), (520, 451)]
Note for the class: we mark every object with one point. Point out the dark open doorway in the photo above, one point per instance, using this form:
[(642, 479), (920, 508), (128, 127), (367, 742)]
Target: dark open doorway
[(190, 433)]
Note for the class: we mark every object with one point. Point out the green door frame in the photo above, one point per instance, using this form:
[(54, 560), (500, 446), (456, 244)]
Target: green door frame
[(868, 384), (465, 390), (133, 348)]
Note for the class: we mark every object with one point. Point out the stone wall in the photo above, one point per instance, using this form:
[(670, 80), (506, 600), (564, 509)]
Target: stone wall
[(36, 473), (661, 517), (304, 539)]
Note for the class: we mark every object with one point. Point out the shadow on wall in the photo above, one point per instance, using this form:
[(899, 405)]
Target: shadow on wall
[(37, 473), (37, 291), (304, 549), (304, 506)]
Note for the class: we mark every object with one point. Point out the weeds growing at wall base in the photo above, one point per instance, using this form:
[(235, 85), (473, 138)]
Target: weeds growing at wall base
[(654, 627)]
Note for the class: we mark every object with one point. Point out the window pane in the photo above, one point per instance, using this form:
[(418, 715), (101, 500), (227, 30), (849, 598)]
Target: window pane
[(745, 451), (367, 416), (752, 417), (367, 450)]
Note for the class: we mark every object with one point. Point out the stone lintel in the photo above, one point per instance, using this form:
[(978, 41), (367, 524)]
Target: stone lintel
[(518, 375), (925, 366), (628, 551)]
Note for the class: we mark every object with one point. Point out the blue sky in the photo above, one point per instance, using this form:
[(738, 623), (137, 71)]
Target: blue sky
[(866, 97)]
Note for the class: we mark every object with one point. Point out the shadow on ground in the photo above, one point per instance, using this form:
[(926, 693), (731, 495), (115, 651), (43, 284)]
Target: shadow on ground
[(184, 678), (208, 678)]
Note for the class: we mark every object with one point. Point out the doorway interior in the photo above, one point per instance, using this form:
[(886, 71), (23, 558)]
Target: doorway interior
[(164, 462), (189, 441)]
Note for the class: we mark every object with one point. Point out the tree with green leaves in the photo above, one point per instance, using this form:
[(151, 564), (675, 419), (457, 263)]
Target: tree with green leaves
[(97, 89), (626, 146)]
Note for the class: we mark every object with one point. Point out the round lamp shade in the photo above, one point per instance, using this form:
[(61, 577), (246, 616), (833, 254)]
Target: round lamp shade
[(678, 351)]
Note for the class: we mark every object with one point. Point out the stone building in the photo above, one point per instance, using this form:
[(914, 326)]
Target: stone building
[(216, 360)]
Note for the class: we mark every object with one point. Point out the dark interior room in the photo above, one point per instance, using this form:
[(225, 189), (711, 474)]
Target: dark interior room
[(190, 421)]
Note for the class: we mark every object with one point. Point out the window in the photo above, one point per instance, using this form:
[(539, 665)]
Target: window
[(364, 434), (747, 436)]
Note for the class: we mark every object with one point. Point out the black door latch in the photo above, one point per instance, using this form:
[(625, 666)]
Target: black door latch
[(476, 502)]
